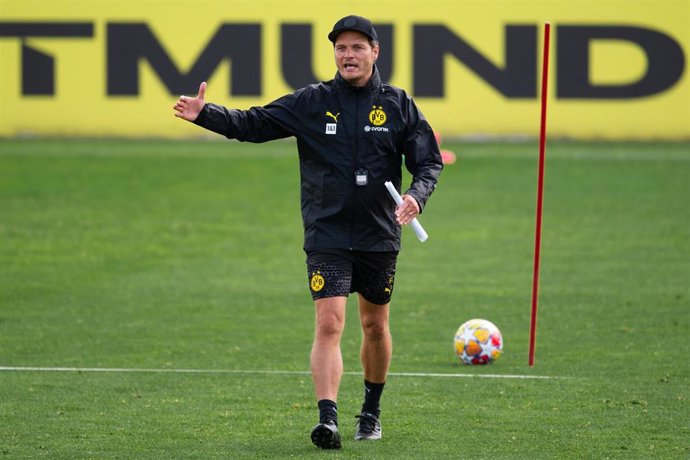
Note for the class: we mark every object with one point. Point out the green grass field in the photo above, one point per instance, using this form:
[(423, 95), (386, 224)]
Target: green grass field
[(168, 257)]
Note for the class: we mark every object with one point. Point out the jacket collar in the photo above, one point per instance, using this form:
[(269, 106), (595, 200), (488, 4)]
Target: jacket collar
[(372, 86)]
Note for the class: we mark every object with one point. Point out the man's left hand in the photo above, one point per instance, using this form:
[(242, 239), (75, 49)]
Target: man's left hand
[(408, 210)]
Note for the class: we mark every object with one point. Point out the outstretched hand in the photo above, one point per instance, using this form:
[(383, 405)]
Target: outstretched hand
[(189, 108)]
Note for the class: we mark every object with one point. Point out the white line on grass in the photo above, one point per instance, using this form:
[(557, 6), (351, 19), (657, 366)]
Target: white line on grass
[(264, 372)]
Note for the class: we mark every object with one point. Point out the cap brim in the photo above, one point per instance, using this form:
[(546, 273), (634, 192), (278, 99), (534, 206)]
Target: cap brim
[(333, 36)]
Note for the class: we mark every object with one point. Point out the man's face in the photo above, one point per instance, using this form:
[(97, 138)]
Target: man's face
[(355, 57)]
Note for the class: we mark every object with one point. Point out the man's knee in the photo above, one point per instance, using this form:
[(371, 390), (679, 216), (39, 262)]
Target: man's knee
[(330, 317), (375, 330), (329, 325)]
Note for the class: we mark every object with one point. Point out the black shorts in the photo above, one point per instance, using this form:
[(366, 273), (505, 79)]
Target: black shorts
[(338, 272)]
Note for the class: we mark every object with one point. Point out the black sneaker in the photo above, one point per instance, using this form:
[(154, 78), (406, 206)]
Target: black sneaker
[(325, 435), (368, 427)]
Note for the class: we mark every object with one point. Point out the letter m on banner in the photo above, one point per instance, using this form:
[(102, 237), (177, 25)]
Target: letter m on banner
[(130, 43)]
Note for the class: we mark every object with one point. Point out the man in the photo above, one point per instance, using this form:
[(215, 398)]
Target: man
[(353, 134)]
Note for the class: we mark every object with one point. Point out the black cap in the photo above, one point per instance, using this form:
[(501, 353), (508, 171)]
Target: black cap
[(356, 23)]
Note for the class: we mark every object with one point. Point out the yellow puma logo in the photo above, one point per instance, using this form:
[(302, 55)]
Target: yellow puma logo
[(335, 117)]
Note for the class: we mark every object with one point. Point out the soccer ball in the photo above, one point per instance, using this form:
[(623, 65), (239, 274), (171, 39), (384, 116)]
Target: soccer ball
[(478, 341)]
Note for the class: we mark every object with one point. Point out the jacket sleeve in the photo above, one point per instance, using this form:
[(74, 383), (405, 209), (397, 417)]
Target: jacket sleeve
[(422, 155), (258, 124)]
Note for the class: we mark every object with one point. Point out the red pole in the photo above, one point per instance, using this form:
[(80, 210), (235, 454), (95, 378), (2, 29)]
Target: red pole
[(540, 194)]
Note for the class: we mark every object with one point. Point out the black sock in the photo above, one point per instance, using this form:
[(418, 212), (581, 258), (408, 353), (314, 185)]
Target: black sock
[(372, 397), (328, 410)]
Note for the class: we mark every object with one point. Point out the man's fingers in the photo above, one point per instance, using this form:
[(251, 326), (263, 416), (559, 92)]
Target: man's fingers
[(407, 210), (407, 207), (186, 107)]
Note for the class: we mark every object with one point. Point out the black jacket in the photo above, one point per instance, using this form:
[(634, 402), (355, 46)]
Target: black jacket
[(341, 129)]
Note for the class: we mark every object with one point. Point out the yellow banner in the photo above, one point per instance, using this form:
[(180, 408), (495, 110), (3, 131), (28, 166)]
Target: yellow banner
[(618, 68)]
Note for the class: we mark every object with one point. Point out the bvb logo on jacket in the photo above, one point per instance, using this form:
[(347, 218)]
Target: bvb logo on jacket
[(377, 117)]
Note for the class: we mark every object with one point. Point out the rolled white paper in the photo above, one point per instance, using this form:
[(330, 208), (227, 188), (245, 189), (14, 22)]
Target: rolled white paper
[(416, 226)]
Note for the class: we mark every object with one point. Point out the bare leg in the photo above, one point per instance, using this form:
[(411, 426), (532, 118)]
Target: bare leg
[(377, 345), (326, 358)]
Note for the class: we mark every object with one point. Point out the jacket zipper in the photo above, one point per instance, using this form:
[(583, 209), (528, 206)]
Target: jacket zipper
[(354, 168)]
